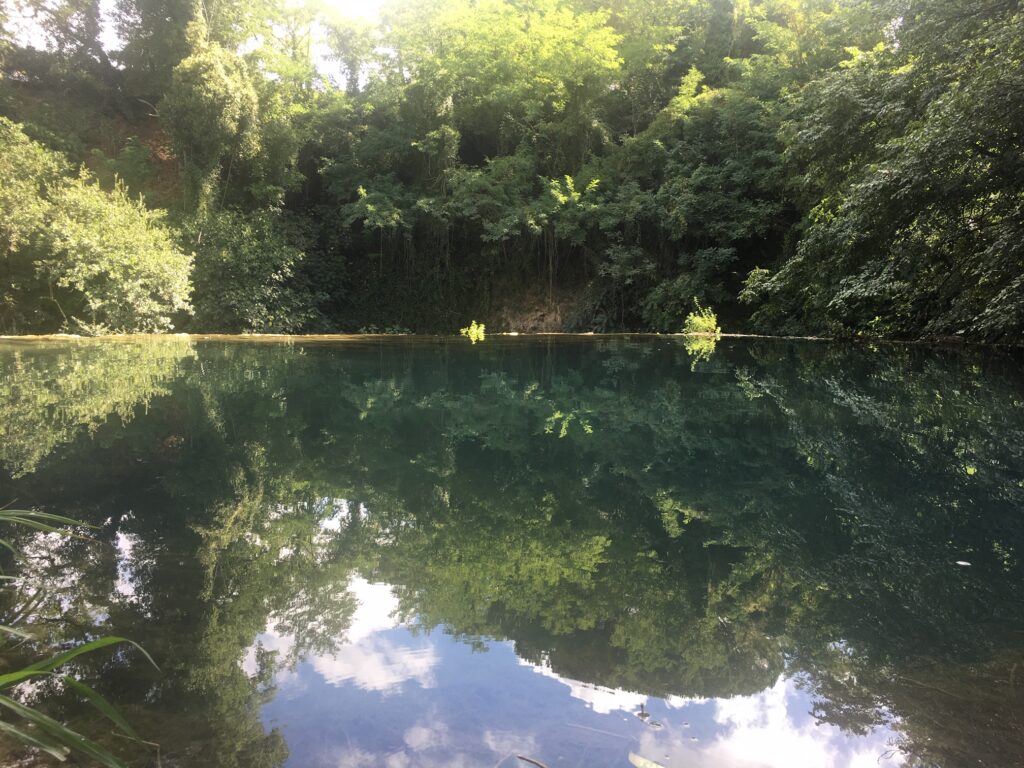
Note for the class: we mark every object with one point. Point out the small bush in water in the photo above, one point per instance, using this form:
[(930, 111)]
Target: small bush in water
[(702, 321), (475, 332)]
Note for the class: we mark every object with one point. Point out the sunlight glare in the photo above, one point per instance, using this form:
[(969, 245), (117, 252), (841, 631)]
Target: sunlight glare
[(364, 9)]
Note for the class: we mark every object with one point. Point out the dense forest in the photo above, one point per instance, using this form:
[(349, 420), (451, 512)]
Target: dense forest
[(839, 167)]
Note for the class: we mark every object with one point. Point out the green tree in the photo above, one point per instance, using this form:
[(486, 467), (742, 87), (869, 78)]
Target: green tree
[(121, 266), (81, 258), (913, 226), (211, 112), (247, 275)]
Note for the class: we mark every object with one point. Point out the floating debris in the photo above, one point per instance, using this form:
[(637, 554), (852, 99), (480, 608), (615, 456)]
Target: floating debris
[(643, 762)]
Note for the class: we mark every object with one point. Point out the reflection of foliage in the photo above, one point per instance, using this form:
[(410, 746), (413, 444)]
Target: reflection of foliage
[(619, 517), (31, 726), (563, 420), (53, 393), (700, 348), (49, 736)]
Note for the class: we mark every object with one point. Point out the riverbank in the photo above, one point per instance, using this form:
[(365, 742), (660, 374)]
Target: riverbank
[(951, 342)]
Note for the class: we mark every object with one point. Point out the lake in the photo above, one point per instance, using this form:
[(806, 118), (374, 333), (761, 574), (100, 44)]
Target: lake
[(584, 551)]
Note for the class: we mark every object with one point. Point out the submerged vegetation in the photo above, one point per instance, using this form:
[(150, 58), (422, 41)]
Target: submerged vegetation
[(845, 167)]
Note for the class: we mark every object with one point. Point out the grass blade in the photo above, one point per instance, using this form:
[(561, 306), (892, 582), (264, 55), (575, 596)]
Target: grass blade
[(63, 734), (100, 703), (54, 749), (43, 526), (8, 515), (94, 645), (13, 678), (14, 632)]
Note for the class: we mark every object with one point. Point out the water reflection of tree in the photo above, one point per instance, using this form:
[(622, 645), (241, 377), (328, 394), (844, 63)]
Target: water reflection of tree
[(628, 520), (54, 393)]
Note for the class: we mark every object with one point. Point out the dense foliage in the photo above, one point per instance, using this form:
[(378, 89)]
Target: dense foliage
[(837, 167), (79, 257)]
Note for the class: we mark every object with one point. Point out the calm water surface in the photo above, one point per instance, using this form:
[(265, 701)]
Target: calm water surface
[(587, 552)]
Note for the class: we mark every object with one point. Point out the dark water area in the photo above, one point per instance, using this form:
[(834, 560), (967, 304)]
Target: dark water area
[(588, 552)]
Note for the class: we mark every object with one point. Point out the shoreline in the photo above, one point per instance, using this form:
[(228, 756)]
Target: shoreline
[(941, 342)]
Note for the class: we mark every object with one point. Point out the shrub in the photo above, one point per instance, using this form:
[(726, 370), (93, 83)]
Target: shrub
[(702, 322), (475, 332), (246, 277), (116, 258), (79, 258)]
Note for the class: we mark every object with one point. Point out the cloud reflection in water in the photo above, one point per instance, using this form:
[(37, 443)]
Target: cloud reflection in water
[(396, 698)]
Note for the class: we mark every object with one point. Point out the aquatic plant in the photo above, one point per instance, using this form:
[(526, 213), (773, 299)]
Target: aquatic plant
[(33, 727), (702, 321), (475, 332)]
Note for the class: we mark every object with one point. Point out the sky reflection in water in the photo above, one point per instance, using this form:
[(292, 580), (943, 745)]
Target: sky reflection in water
[(431, 553), (425, 699)]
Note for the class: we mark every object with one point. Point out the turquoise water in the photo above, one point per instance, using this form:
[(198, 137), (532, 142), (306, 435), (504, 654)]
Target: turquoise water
[(583, 551)]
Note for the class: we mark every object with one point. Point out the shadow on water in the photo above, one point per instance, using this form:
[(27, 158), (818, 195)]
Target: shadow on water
[(618, 522)]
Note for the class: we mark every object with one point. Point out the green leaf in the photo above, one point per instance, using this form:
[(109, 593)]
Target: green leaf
[(14, 632), (13, 678), (63, 734), (53, 749), (12, 514), (100, 703), (103, 642)]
